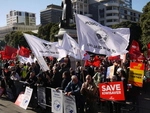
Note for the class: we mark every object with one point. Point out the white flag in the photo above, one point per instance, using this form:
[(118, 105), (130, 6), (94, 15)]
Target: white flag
[(72, 47), (42, 47), (99, 39), (26, 60)]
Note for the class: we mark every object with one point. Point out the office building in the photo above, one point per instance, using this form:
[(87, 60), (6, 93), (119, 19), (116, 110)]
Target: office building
[(107, 12), (21, 17), (18, 21), (52, 14)]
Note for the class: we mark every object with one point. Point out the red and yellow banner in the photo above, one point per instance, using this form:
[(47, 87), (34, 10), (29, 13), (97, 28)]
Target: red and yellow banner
[(136, 74)]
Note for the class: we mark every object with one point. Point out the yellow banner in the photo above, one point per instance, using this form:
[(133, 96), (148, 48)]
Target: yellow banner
[(136, 74)]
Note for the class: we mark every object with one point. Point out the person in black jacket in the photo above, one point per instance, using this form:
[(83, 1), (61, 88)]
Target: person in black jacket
[(66, 79)]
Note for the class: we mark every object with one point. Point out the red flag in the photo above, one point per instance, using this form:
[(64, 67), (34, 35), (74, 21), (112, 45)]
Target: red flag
[(148, 50), (134, 50), (94, 62), (25, 52), (141, 58), (10, 50), (114, 57)]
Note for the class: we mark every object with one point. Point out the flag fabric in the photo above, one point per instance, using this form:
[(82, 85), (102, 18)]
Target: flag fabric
[(25, 52), (114, 57), (148, 50), (9, 51), (42, 47), (94, 62), (141, 58), (72, 47), (86, 56), (134, 50), (95, 38), (26, 60)]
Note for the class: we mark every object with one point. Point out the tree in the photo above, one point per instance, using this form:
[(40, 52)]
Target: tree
[(44, 31), (53, 32), (145, 25), (16, 38)]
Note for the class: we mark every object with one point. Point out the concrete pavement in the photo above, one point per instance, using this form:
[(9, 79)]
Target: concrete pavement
[(7, 106)]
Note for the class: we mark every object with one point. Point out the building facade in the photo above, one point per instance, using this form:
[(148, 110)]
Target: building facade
[(52, 14), (107, 12), (20, 17), (115, 12), (15, 27)]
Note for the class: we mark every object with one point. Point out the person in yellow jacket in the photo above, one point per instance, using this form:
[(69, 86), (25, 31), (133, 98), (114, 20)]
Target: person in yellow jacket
[(24, 71)]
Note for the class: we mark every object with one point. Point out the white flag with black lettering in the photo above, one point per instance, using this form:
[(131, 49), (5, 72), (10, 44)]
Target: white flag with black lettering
[(72, 47), (42, 47), (99, 39)]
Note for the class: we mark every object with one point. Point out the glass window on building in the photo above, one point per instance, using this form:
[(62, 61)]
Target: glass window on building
[(101, 13), (85, 1), (109, 20), (26, 14), (15, 13), (20, 14), (115, 8), (114, 14), (116, 20), (125, 11), (109, 8), (109, 14), (122, 11), (125, 17), (122, 16), (81, 6), (11, 13), (128, 12)]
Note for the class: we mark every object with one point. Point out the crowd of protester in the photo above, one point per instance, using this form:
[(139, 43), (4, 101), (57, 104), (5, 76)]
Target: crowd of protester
[(83, 81)]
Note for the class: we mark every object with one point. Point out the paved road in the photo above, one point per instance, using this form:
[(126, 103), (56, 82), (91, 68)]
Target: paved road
[(7, 106)]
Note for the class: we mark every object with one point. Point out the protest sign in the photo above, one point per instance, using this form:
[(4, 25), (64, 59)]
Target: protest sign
[(110, 71), (136, 74), (57, 101), (19, 99), (41, 97), (69, 104), (112, 91), (26, 99)]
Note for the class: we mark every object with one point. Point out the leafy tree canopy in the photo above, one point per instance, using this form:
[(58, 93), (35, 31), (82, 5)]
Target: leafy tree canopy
[(145, 25)]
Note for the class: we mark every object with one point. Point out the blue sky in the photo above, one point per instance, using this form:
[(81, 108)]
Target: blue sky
[(35, 6)]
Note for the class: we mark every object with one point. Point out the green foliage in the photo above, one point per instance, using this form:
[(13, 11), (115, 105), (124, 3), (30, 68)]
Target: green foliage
[(16, 38), (53, 32), (44, 32), (145, 25)]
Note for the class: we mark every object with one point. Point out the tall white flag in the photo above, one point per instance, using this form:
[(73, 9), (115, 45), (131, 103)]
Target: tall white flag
[(72, 47), (42, 47), (99, 39)]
